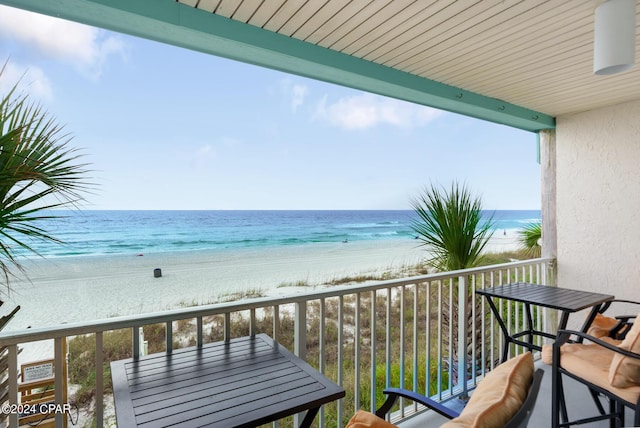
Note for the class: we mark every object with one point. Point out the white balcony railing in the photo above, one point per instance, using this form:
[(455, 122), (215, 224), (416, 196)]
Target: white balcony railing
[(402, 333)]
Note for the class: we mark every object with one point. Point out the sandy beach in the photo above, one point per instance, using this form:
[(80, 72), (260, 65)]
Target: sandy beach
[(73, 289)]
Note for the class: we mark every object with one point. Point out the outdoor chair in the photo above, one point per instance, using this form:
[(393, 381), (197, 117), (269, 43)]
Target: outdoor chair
[(608, 364), (504, 398), (612, 329)]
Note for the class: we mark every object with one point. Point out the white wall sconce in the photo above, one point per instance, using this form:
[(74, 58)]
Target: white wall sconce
[(615, 37)]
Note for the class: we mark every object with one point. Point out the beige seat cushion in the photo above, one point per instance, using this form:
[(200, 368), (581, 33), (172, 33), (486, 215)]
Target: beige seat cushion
[(625, 371), (592, 363), (364, 419), (499, 396), (547, 349)]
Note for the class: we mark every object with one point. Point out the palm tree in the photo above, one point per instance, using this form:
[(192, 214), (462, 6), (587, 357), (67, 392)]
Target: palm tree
[(449, 225), (39, 172), (529, 238)]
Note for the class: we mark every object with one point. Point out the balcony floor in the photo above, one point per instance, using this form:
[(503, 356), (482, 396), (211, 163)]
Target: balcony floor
[(579, 404)]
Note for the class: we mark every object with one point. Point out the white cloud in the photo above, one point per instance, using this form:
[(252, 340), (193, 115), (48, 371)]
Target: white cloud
[(298, 94), (367, 111), (87, 48), (202, 156), (207, 154), (30, 80), (291, 93), (204, 151), (229, 141)]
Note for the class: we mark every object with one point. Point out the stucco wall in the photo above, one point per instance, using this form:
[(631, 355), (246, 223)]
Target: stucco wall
[(598, 200)]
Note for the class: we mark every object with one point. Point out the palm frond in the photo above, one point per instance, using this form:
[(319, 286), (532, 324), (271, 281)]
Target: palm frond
[(39, 172), (450, 225), (529, 238)]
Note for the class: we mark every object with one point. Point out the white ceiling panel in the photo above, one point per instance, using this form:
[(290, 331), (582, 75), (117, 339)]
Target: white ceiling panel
[(533, 53)]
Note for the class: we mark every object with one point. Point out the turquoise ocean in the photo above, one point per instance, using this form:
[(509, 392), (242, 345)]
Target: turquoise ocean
[(96, 233)]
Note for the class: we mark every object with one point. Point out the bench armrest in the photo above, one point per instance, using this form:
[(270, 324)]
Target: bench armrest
[(394, 393)]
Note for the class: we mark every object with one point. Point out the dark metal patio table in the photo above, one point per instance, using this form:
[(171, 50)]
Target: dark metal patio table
[(243, 382), (562, 299)]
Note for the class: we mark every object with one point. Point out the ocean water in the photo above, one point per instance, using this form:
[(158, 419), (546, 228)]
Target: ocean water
[(89, 233)]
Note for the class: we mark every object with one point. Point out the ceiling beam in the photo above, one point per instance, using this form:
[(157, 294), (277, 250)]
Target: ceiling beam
[(177, 24)]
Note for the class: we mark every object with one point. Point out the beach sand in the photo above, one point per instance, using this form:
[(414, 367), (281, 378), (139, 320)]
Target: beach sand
[(65, 290), (75, 289)]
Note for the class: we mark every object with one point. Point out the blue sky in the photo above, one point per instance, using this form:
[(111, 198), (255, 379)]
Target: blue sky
[(168, 128)]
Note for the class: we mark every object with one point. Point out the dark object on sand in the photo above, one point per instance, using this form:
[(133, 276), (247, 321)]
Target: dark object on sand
[(157, 273)]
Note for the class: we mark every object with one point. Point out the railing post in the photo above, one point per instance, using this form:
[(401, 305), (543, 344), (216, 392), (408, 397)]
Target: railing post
[(356, 354), (401, 359), (321, 352), (374, 346), (463, 299), (60, 374), (135, 332), (276, 323), (300, 342), (199, 332), (252, 322), (340, 379), (300, 330), (99, 380), (169, 336), (227, 326), (550, 322), (13, 383)]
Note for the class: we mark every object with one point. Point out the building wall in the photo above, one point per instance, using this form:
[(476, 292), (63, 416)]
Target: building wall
[(598, 200)]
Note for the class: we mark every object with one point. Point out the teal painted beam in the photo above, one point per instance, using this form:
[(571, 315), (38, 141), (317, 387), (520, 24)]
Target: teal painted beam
[(170, 22)]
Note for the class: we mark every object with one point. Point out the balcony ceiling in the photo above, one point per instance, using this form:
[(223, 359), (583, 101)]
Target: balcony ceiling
[(533, 53), (531, 59)]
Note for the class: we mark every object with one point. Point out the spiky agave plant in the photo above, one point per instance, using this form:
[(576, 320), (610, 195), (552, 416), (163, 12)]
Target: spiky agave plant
[(39, 172), (450, 225)]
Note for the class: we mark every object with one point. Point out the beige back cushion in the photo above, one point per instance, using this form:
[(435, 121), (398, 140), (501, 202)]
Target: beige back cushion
[(624, 371), (498, 396), (602, 326)]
